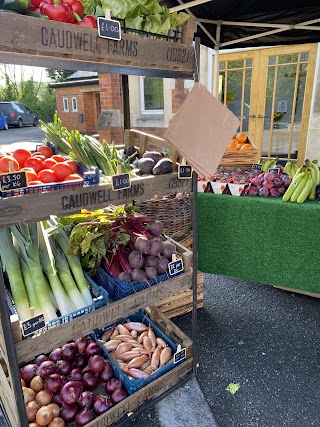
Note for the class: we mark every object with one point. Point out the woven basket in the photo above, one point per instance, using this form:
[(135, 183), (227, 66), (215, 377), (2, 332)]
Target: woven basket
[(175, 214)]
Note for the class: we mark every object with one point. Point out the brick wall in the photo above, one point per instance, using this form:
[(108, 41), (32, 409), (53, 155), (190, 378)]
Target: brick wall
[(86, 105), (111, 102)]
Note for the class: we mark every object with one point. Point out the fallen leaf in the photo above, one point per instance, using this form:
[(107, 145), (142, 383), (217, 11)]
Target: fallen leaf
[(233, 388), (241, 343)]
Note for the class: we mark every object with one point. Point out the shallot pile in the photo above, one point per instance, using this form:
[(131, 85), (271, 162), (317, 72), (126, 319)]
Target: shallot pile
[(58, 387), (136, 349)]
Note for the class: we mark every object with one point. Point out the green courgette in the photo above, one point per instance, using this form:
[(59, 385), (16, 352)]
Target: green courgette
[(15, 5)]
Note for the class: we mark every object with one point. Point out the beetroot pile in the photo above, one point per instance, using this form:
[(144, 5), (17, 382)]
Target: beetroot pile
[(145, 256), (59, 388)]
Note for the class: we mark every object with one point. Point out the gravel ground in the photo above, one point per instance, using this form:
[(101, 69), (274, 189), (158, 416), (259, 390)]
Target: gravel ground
[(264, 339)]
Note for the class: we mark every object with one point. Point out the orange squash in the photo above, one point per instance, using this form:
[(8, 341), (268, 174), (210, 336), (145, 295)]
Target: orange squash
[(239, 145)]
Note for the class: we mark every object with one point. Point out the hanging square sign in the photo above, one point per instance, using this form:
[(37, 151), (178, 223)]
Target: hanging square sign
[(13, 181), (257, 167), (32, 325), (185, 172), (109, 29), (175, 267), (120, 182)]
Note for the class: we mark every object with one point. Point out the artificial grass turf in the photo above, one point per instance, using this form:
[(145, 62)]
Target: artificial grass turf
[(260, 239)]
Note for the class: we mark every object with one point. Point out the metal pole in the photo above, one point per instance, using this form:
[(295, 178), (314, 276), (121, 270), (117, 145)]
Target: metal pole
[(195, 229), (215, 88), (12, 356)]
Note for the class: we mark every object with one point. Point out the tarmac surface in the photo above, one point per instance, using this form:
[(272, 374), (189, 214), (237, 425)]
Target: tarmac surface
[(261, 338)]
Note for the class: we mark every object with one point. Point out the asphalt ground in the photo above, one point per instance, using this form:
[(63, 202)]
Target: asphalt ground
[(265, 340), (262, 338)]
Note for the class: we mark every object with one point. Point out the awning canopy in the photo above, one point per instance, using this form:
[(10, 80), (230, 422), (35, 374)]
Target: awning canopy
[(253, 23)]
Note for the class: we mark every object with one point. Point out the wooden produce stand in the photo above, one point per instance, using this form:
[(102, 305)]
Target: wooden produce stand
[(32, 41)]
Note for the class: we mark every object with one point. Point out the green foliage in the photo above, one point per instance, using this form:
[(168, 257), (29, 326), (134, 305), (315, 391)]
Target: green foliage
[(36, 95), (58, 75)]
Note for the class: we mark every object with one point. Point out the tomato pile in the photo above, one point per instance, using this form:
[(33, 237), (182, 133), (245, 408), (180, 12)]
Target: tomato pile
[(41, 167)]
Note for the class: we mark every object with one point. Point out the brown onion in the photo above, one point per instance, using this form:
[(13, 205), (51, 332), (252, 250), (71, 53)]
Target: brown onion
[(55, 409), (32, 409), (37, 383), (23, 383), (43, 398), (44, 416), (28, 394), (34, 425), (57, 422)]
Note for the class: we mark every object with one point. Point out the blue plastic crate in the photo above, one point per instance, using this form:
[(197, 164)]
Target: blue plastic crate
[(100, 299), (118, 289), (133, 385)]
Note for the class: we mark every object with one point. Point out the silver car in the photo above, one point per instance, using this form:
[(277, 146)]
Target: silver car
[(18, 114)]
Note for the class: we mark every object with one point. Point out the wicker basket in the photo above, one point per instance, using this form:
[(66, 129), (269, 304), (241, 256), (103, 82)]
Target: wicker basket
[(176, 214)]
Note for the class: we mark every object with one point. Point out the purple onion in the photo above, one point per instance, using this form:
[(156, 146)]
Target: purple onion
[(68, 412), (75, 375), (41, 358), (92, 349), (86, 399), (28, 372), (81, 345), (68, 352), (111, 385), (63, 367), (70, 392), (53, 383), (118, 395), (96, 363), (90, 380), (55, 355), (101, 405), (80, 361), (47, 367), (84, 417), (107, 373)]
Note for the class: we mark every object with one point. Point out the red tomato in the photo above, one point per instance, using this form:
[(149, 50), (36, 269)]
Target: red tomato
[(36, 164), (73, 177), (21, 155), (5, 164), (48, 163), (39, 156), (47, 175), (58, 158), (73, 165), (61, 170), (46, 151), (35, 182), (30, 174)]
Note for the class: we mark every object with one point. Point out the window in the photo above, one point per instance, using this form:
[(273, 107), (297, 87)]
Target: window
[(74, 104), (65, 104), (151, 95)]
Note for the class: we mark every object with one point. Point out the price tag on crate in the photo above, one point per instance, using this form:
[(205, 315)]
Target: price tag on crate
[(185, 172), (274, 170), (109, 28), (175, 266), (13, 181), (179, 355), (33, 325), (121, 181), (257, 167)]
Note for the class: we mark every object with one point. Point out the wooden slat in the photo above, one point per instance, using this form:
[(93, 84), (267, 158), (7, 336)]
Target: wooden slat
[(8, 398), (44, 343), (34, 207), (47, 40), (150, 391), (298, 291)]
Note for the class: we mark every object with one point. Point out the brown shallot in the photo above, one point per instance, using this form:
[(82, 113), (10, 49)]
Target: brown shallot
[(161, 342), (123, 330), (137, 326), (137, 374), (147, 343), (137, 362), (123, 347), (165, 356), (152, 337), (111, 345), (155, 359), (142, 335)]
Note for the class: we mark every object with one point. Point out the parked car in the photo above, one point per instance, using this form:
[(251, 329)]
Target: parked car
[(3, 122), (18, 114)]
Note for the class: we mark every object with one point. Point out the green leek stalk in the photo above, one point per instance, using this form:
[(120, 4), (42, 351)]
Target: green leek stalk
[(31, 290), (48, 266), (26, 237), (11, 264), (74, 262), (66, 278)]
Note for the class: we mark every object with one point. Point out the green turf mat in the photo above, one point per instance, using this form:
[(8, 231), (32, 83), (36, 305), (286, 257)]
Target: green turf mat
[(260, 239)]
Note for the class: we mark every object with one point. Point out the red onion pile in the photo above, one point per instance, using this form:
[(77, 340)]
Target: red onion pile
[(58, 388)]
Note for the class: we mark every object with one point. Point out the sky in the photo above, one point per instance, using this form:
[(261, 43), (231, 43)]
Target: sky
[(38, 73)]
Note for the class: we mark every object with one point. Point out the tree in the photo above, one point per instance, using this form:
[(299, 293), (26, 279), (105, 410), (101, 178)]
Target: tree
[(58, 75)]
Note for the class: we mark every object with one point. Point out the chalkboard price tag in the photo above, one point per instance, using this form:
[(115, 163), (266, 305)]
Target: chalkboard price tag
[(109, 29), (121, 181), (274, 170), (257, 167), (175, 267), (13, 181), (33, 324), (185, 172), (180, 355)]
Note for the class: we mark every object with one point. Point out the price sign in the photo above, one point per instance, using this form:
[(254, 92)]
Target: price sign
[(119, 182), (33, 324), (175, 267), (274, 170), (13, 181), (257, 167), (185, 172), (109, 29), (180, 355)]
